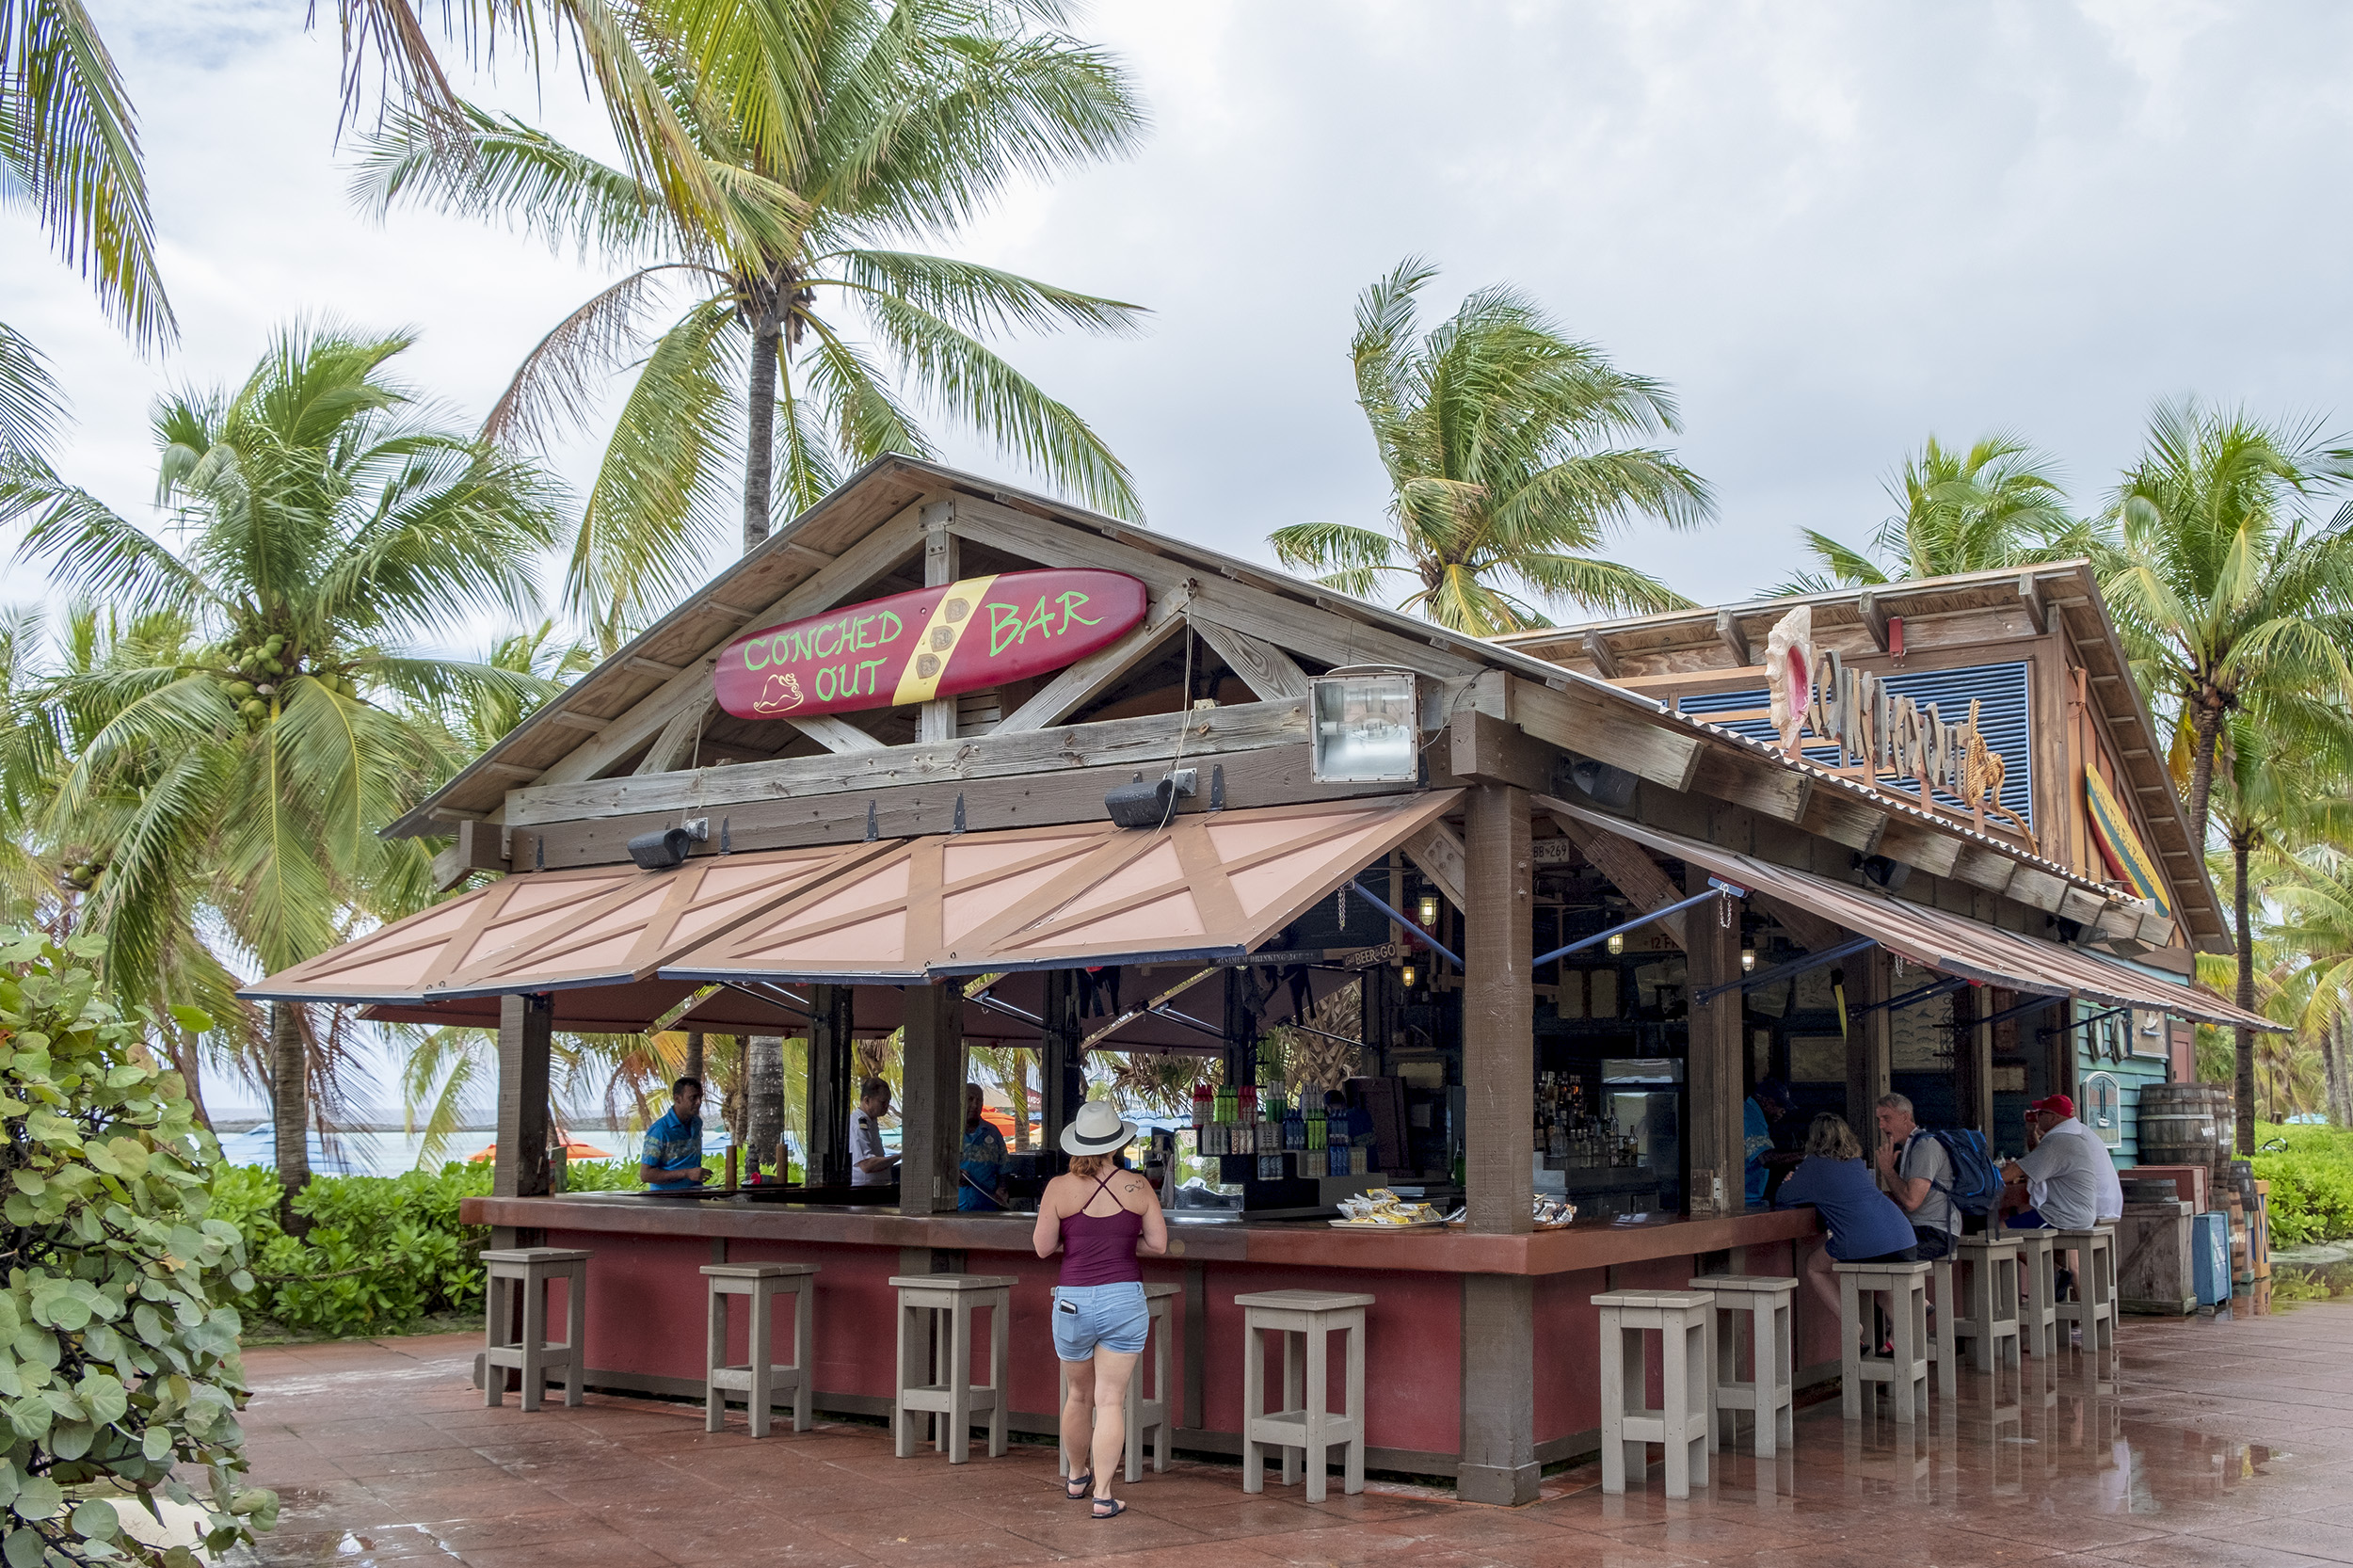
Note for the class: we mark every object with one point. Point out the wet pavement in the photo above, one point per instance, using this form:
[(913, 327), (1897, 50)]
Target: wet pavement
[(2220, 1442)]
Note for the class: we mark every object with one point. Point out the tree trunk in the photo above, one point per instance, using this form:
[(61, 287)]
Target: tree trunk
[(186, 1062), (290, 1106), (760, 436), (1021, 1096), (2333, 1064), (2244, 1037), (763, 1096), (694, 1067), (2205, 723)]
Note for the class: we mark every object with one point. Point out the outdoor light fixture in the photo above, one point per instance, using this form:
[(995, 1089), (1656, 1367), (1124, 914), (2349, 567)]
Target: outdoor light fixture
[(665, 847), (1143, 805), (1748, 959), (1617, 944), (1365, 725), (1407, 975), (1428, 910)]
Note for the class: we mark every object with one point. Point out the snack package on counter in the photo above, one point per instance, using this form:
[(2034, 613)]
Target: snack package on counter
[(1552, 1210), (1380, 1207)]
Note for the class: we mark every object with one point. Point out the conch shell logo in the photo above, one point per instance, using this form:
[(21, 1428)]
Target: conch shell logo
[(1789, 673), (781, 695)]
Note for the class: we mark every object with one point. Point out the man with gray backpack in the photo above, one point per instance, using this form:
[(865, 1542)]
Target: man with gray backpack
[(1935, 1176)]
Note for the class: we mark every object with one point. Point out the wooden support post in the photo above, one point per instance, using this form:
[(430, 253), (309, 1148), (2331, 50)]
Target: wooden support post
[(1498, 1458), (1499, 1014), (526, 1026), (931, 1116), (1868, 1044), (1061, 1071), (832, 1085), (1973, 1056), (1712, 1136), (1241, 1027)]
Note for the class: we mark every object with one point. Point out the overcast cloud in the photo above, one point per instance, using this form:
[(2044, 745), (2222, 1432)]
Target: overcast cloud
[(1832, 227)]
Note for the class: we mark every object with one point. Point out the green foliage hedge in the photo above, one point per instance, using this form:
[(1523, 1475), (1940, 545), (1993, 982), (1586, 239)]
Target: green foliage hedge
[(382, 1253), (2311, 1183), (119, 1376)]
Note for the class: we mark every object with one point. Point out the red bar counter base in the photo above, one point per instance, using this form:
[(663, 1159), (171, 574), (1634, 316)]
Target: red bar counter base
[(647, 1312)]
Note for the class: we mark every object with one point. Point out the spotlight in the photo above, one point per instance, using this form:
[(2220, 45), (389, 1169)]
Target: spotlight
[(1887, 873), (662, 849)]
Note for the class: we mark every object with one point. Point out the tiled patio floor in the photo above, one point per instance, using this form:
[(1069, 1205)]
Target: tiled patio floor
[(2225, 1443)]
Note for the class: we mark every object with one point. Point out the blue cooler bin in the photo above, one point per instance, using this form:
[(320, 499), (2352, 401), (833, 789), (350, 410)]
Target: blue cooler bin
[(2210, 1257)]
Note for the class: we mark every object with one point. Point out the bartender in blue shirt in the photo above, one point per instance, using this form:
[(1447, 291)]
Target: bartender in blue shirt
[(672, 1158), (982, 1163)]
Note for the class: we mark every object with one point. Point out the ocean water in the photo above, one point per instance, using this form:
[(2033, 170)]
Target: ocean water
[(391, 1153)]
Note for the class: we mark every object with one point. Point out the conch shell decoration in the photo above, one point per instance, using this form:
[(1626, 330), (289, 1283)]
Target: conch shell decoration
[(1789, 668)]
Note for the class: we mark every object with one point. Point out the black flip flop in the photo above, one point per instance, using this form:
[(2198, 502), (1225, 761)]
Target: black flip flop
[(1118, 1508), (1083, 1483)]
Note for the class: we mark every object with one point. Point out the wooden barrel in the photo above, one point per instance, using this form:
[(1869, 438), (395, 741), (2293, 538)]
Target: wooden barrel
[(2177, 1125), (2225, 1124)]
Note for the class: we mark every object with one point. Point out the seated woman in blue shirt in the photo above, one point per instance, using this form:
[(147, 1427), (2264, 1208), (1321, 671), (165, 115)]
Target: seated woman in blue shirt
[(1864, 1224)]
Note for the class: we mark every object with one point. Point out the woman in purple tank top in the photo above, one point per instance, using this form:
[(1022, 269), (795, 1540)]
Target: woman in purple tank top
[(1100, 1216)]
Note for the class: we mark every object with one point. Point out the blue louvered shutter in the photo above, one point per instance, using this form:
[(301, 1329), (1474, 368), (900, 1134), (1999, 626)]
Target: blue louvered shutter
[(2002, 717)]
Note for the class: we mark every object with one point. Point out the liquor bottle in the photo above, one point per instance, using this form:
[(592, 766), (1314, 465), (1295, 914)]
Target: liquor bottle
[(1200, 1105)]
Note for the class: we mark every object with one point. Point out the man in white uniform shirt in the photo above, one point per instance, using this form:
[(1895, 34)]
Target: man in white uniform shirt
[(870, 1165)]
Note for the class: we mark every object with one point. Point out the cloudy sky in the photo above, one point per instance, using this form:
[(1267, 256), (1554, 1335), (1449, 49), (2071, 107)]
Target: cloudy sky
[(1834, 229)]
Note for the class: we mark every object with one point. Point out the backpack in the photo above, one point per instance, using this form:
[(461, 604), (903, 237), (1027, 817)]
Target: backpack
[(1976, 1185)]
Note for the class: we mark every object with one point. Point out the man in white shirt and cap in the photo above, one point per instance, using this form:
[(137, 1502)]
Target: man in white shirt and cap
[(2069, 1175)]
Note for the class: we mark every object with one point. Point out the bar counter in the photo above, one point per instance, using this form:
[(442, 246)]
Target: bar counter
[(647, 1303)]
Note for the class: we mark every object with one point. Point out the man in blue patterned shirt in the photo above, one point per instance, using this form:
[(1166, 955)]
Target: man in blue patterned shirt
[(672, 1158), (980, 1184)]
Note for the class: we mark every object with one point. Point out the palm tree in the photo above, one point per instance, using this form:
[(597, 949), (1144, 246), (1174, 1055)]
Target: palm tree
[(834, 136), (328, 520), (70, 150), (1998, 504), (2219, 593), (1497, 432)]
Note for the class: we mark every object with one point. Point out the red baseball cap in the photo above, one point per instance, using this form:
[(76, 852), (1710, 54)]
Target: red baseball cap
[(2057, 1105)]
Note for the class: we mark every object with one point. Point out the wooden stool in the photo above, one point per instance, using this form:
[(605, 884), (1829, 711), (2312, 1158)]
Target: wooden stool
[(1685, 1322), (2038, 1275), (1941, 1312), (2093, 1308), (952, 1299), (1765, 1300), (1144, 1414), (1985, 1309), (529, 1270), (1905, 1372), (759, 1378), (1304, 1426)]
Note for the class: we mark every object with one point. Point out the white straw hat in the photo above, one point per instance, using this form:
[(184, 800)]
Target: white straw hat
[(1096, 1130)]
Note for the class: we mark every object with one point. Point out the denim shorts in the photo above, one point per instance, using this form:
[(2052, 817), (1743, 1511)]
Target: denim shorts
[(1109, 1316)]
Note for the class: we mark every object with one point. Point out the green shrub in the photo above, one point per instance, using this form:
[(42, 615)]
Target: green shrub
[(2311, 1183), (382, 1253), (117, 1342)]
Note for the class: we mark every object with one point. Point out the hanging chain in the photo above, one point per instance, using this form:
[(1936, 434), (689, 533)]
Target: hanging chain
[(1723, 912)]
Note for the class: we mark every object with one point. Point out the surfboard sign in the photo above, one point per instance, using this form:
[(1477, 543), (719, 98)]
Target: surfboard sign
[(2119, 844), (911, 647)]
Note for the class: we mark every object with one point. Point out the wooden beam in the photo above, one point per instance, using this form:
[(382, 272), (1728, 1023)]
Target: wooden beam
[(1045, 796), (1983, 866), (1814, 933), (879, 552), (578, 721), (526, 1032), (1845, 819), (1498, 999), (512, 770), (2030, 600), (1075, 685), (932, 1108), (1597, 649), (1873, 618), (674, 748), (1596, 726), (1130, 743), (1916, 844), (836, 734), (650, 666), (1715, 1065), (1438, 852), (1735, 638), (1274, 618), (1666, 688), (1629, 869), (1762, 786), (1482, 746), (479, 846), (1869, 1048), (1265, 668)]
